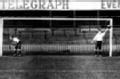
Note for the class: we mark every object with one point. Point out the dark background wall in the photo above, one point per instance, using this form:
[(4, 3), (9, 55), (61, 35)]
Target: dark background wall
[(106, 14)]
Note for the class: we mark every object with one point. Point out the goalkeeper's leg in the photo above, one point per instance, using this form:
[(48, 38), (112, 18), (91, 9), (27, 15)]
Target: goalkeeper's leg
[(100, 48), (96, 48)]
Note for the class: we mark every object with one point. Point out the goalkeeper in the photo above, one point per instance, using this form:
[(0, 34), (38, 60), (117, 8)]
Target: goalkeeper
[(17, 45), (98, 39)]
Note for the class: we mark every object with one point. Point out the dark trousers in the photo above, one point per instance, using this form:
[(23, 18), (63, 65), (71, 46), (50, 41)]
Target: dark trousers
[(18, 49), (98, 47)]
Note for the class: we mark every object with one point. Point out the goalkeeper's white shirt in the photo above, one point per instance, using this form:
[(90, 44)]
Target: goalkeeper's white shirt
[(99, 36), (15, 39)]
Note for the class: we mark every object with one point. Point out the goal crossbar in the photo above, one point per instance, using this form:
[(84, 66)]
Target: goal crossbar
[(47, 18)]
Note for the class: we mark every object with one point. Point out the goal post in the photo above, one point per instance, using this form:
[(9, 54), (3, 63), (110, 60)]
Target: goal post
[(111, 37), (1, 36), (60, 19)]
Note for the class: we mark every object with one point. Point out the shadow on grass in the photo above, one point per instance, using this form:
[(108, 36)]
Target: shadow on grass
[(65, 52)]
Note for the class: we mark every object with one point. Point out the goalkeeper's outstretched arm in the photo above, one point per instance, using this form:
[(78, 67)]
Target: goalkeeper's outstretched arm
[(94, 39)]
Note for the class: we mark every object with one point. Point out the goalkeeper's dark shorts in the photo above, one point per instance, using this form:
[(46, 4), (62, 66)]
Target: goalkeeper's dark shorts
[(98, 45), (18, 45)]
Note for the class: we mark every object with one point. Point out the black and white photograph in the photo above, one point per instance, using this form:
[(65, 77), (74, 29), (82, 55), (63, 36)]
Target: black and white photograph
[(59, 39)]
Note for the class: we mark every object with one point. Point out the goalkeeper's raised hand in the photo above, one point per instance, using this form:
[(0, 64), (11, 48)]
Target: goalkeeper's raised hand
[(108, 26)]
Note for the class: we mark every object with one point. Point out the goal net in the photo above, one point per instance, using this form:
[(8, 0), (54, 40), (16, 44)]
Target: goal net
[(74, 34)]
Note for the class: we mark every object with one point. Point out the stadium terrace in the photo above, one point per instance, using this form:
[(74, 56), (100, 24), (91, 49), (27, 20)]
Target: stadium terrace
[(34, 4)]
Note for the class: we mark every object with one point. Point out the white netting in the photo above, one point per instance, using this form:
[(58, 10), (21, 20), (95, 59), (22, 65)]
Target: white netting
[(73, 34)]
